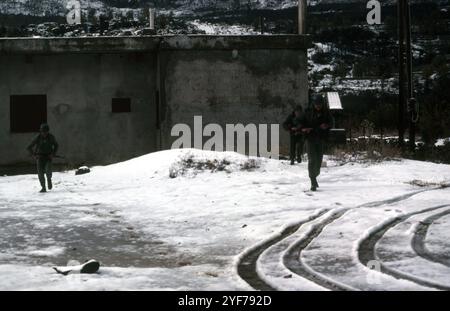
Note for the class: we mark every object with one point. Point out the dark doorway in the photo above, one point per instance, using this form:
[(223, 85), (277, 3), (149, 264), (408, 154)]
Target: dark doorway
[(27, 112)]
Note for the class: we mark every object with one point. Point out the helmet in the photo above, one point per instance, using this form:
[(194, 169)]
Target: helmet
[(317, 99), (44, 127)]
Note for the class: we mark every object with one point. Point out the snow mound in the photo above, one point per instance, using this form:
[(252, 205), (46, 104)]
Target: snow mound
[(179, 162), (193, 162)]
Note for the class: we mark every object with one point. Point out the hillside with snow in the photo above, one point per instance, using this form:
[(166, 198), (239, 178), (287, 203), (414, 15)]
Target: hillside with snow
[(198, 220), (58, 7), (43, 7)]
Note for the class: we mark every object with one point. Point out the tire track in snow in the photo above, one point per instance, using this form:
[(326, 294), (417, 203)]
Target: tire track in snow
[(418, 241), (395, 199), (246, 266), (366, 249), (293, 261)]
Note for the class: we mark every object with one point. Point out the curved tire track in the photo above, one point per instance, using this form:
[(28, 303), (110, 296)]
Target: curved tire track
[(418, 241), (293, 261), (246, 266), (366, 250)]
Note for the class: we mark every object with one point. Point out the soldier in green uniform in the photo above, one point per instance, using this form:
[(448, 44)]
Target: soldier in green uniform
[(316, 123), (43, 148), (293, 126)]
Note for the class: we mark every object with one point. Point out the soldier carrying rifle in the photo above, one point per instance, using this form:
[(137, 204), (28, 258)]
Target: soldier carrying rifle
[(43, 148), (294, 126)]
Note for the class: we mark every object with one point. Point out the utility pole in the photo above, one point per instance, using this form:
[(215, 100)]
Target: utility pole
[(411, 108), (151, 15), (261, 24), (401, 74), (301, 17), (406, 89)]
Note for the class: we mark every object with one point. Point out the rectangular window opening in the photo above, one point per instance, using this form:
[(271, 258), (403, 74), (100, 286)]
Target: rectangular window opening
[(27, 113), (121, 105)]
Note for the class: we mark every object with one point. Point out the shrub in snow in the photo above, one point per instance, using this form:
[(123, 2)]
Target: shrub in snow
[(250, 164), (423, 183), (190, 164)]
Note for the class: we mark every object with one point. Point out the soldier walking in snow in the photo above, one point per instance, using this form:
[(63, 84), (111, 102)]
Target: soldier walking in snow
[(43, 148), (293, 125), (316, 124)]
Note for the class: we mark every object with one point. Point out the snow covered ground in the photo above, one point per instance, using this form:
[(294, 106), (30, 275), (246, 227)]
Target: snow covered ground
[(227, 222), (354, 85), (442, 141), (45, 7), (223, 29), (329, 79)]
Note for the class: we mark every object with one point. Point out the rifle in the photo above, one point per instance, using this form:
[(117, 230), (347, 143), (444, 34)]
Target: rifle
[(46, 155)]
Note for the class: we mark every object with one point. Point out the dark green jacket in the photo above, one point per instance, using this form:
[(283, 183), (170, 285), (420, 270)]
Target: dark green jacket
[(313, 119), (43, 146), (293, 122)]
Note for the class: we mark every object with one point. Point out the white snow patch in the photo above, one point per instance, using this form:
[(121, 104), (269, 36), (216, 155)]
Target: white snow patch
[(51, 251), (213, 216), (442, 142), (223, 29)]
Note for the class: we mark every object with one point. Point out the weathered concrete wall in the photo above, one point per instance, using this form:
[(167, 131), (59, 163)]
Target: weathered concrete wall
[(232, 86), (79, 89), (231, 79)]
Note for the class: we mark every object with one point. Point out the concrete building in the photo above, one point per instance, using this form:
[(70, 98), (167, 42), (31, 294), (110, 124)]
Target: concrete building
[(110, 99)]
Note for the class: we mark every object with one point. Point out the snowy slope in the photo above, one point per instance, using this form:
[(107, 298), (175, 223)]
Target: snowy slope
[(57, 7), (44, 7), (192, 232)]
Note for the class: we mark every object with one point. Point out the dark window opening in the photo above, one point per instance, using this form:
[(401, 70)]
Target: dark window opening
[(120, 105), (27, 112)]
